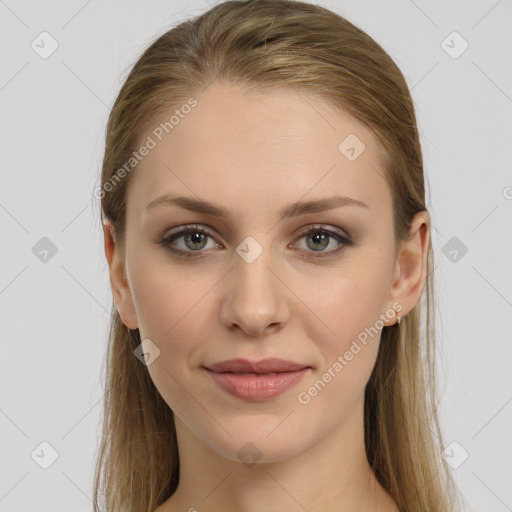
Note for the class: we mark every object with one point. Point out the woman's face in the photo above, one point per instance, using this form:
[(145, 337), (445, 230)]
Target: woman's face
[(257, 286)]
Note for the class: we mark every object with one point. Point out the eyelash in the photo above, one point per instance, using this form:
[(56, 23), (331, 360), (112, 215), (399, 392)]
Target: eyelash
[(344, 241)]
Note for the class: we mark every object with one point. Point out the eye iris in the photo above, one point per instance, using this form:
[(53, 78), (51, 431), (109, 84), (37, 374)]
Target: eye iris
[(319, 237), (196, 238)]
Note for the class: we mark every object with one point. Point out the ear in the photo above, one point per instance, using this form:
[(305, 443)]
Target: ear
[(410, 271), (120, 287)]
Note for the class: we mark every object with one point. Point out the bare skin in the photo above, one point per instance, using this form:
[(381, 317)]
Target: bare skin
[(254, 154)]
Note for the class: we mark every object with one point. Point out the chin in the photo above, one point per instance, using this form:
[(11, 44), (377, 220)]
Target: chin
[(260, 442)]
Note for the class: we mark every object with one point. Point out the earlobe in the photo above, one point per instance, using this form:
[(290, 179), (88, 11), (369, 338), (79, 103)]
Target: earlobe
[(410, 271), (119, 284)]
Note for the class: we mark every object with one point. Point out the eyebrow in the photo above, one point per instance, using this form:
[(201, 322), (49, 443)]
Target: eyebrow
[(292, 210)]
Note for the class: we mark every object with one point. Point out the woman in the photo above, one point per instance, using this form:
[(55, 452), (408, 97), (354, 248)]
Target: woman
[(269, 245)]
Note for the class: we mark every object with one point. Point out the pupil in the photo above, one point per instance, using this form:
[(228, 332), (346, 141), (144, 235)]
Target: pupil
[(319, 238), (196, 238)]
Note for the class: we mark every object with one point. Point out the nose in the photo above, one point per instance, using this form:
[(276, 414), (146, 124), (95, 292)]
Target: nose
[(255, 297)]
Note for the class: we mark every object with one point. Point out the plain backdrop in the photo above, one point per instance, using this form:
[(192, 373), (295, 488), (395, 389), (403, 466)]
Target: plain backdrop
[(54, 290)]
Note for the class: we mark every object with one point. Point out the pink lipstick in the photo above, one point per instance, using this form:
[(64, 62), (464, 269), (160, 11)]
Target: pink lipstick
[(256, 381)]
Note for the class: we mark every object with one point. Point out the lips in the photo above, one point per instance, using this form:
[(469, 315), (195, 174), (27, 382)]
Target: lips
[(270, 365), (258, 380)]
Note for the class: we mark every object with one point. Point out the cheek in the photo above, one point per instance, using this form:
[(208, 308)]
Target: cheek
[(174, 309), (347, 338), (172, 313), (337, 309), (167, 298), (341, 315)]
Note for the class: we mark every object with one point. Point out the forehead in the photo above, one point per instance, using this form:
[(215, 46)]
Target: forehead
[(240, 148)]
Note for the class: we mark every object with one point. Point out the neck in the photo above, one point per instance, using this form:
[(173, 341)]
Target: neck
[(333, 472)]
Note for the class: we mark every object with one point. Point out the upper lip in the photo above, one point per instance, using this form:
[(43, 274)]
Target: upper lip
[(270, 365)]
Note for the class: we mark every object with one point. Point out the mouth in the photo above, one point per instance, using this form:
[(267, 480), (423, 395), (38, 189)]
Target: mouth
[(264, 366), (257, 381)]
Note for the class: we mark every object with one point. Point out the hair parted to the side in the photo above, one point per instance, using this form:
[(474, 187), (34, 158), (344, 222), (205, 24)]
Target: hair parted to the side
[(265, 44)]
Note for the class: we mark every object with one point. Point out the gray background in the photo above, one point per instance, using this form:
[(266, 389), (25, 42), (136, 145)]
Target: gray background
[(54, 314)]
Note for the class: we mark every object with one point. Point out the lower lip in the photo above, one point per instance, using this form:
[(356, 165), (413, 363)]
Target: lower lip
[(257, 387)]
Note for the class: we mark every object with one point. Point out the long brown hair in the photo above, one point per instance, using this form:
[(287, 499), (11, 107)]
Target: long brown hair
[(263, 44)]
